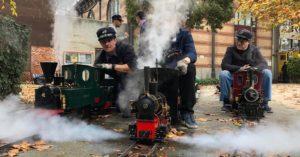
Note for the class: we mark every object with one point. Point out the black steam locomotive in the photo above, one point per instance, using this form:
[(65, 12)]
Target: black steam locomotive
[(152, 111)]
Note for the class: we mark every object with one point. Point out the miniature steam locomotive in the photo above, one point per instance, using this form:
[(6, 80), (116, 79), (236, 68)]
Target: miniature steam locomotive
[(152, 111), (81, 87), (247, 94)]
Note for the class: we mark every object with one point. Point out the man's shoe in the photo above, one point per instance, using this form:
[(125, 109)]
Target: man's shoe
[(187, 121), (266, 107), (226, 107), (194, 121)]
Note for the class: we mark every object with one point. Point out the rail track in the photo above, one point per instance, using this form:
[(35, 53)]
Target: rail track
[(140, 150)]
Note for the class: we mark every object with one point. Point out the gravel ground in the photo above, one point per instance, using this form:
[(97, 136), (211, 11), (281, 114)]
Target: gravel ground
[(212, 121)]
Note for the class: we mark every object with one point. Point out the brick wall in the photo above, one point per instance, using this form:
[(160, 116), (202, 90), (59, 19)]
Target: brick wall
[(40, 54)]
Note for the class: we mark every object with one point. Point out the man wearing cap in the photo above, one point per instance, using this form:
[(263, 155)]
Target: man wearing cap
[(238, 58), (117, 58), (116, 24)]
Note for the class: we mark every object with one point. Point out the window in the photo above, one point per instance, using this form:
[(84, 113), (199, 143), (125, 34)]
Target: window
[(77, 57), (247, 22), (113, 8)]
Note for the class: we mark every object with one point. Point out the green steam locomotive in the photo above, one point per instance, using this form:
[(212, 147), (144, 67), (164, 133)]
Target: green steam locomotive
[(80, 87)]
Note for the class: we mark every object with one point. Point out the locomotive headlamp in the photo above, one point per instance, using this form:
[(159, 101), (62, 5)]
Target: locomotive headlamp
[(145, 106), (251, 95)]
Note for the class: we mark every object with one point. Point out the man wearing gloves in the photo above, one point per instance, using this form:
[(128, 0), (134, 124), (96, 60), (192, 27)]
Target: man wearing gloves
[(117, 58), (182, 56)]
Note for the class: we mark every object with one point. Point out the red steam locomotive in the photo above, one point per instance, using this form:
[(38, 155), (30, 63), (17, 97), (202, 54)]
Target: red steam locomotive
[(247, 94), (151, 108)]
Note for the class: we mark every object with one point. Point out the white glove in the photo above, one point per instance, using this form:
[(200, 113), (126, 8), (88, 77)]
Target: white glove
[(104, 66), (245, 67), (186, 60), (182, 66)]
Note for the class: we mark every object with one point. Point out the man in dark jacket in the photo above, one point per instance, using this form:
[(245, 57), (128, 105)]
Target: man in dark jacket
[(240, 57), (182, 57), (117, 58)]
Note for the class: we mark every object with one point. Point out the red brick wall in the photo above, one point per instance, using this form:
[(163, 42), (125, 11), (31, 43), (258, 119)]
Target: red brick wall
[(40, 54)]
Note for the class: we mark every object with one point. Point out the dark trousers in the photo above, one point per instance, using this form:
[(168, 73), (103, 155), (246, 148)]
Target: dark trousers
[(187, 90), (183, 86), (170, 89)]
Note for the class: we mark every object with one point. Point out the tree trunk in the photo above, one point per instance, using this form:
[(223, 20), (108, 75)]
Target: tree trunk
[(213, 54)]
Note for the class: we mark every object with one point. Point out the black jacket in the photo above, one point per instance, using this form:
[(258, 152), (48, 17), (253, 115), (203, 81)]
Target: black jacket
[(233, 59), (124, 55)]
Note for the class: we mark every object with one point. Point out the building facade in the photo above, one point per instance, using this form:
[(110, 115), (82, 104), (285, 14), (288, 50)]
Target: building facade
[(38, 15)]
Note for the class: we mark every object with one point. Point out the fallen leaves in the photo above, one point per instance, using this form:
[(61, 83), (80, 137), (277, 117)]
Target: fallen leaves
[(174, 133), (120, 130), (25, 146), (13, 152), (210, 114), (201, 120), (41, 145), (27, 93), (237, 122), (104, 116)]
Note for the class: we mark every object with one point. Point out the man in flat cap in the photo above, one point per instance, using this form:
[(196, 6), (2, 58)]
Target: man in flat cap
[(238, 58), (117, 58)]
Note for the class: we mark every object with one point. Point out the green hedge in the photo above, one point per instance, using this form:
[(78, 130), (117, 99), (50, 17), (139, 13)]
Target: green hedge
[(14, 50), (208, 81), (293, 69)]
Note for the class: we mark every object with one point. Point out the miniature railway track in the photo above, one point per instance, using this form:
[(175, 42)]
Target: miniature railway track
[(140, 150), (5, 147)]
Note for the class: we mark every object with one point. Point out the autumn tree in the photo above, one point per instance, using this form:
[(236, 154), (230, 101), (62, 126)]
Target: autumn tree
[(11, 4), (271, 13), (212, 13)]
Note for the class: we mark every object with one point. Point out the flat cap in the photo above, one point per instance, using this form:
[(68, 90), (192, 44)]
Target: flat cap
[(105, 33), (244, 34)]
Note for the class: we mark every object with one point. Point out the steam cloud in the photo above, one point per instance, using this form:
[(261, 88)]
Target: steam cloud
[(165, 21), (262, 139), (71, 33), (17, 122)]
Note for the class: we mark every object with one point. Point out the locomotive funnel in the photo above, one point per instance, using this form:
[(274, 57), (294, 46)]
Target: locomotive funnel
[(48, 70)]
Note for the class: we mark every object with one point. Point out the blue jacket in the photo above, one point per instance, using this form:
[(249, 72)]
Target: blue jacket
[(185, 45)]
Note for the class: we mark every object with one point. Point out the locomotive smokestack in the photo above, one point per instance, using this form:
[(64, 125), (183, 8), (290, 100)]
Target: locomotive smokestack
[(48, 70), (146, 76)]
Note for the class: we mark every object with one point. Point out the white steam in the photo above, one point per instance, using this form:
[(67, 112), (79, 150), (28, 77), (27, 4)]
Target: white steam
[(262, 139), (18, 122), (70, 32), (164, 23), (63, 25)]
